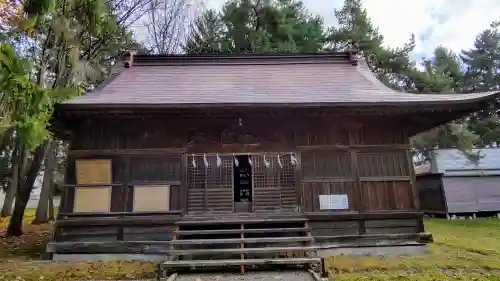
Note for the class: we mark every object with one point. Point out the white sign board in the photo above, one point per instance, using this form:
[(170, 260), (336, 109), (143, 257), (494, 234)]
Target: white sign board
[(333, 202)]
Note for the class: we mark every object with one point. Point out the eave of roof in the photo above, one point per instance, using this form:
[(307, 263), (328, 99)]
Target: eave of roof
[(461, 99)]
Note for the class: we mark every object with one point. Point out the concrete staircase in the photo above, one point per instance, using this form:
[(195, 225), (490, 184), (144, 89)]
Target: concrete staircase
[(244, 241)]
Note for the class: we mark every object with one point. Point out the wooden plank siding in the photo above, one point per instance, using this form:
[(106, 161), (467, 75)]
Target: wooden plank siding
[(367, 162), (152, 226), (129, 171), (367, 159), (383, 178)]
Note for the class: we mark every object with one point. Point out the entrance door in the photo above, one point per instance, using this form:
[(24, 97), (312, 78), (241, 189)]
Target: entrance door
[(209, 184), (274, 184), (242, 184)]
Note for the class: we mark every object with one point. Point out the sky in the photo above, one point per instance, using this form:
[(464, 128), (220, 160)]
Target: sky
[(449, 23)]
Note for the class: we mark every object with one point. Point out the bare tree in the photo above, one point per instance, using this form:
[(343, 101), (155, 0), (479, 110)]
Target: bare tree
[(167, 22)]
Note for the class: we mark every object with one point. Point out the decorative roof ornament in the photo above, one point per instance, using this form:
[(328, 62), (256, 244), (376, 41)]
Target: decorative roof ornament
[(193, 161), (250, 160), (293, 159), (279, 162), (128, 58), (353, 57)]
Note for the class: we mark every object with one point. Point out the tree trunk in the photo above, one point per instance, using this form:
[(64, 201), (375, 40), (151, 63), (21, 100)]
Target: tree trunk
[(10, 193), (6, 138), (52, 216), (24, 189), (41, 214)]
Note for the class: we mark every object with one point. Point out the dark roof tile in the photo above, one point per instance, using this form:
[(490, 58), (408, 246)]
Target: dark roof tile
[(242, 80)]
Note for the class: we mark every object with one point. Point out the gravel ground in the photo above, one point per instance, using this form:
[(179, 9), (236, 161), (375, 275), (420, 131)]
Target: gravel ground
[(250, 276)]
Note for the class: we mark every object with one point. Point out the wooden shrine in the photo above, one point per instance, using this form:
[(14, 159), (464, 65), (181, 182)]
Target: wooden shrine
[(293, 152)]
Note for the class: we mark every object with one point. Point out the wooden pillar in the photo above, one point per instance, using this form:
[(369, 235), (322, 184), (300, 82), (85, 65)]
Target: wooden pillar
[(414, 187), (184, 183), (126, 186), (68, 196), (297, 169), (354, 130), (357, 188)]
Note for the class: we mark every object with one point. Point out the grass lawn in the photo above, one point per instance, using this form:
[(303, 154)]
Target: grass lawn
[(463, 250)]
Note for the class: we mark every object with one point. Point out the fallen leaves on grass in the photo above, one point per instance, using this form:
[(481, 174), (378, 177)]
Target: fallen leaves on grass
[(20, 259), (49, 271), (30, 245)]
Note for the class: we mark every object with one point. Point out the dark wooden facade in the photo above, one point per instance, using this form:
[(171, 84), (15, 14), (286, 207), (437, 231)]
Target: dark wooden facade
[(363, 157), (363, 152)]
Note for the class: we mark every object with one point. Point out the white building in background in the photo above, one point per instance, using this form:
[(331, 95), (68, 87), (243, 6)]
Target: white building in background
[(451, 184)]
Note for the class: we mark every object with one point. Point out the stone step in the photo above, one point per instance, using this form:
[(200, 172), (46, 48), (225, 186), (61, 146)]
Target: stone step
[(262, 250), (237, 231), (217, 263), (245, 240)]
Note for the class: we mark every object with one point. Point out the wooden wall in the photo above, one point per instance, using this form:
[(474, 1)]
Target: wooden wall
[(128, 172), (115, 227), (374, 181), (431, 193), (258, 131), (366, 158)]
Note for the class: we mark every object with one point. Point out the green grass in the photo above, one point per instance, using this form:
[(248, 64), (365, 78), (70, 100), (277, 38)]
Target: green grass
[(463, 250)]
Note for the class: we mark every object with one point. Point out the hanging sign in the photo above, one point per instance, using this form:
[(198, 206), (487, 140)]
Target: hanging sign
[(333, 202)]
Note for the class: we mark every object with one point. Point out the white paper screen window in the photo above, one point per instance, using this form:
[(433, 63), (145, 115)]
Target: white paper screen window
[(151, 198)]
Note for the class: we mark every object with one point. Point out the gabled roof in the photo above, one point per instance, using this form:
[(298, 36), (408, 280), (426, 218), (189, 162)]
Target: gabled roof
[(252, 79)]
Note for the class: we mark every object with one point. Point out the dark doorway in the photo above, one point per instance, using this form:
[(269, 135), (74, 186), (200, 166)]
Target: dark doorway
[(242, 184)]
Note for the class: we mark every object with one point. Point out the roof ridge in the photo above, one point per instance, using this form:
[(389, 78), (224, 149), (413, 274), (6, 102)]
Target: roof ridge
[(247, 59)]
